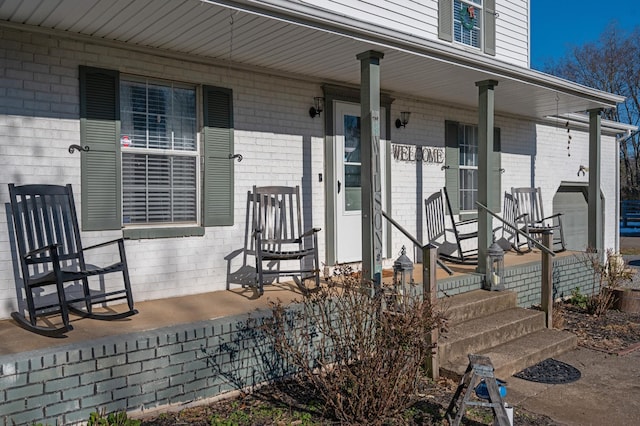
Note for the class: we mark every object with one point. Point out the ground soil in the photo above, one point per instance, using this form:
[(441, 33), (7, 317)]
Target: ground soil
[(288, 404)]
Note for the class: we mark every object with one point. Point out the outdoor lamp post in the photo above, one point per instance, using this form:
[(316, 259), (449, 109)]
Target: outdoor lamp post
[(402, 276), (494, 279)]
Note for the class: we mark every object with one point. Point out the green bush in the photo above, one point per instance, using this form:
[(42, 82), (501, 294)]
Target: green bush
[(100, 418)]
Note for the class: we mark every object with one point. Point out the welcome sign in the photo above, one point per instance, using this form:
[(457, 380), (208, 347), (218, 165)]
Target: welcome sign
[(411, 153)]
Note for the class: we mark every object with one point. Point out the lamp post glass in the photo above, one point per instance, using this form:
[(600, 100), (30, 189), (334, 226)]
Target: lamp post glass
[(402, 277), (494, 278)]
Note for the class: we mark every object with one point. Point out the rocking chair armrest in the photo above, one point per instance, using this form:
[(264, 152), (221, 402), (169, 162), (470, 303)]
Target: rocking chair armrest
[(467, 222), (310, 232), (553, 216), (106, 243), (39, 250)]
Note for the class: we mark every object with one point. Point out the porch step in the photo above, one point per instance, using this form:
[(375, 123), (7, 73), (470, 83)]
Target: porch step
[(518, 354), (477, 303), (480, 334), (490, 323)]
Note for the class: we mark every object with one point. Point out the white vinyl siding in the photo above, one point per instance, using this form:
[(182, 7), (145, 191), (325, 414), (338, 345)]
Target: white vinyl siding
[(421, 19)]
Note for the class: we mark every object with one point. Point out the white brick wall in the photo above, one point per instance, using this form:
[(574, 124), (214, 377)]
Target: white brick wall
[(280, 143)]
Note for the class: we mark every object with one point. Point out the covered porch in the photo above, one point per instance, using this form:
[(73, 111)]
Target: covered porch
[(237, 301)]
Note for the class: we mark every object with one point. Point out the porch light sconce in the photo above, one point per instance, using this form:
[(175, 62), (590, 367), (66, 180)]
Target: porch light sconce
[(318, 106), (403, 120)]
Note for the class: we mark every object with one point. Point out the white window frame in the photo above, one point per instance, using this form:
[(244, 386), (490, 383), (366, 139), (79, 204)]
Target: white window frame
[(463, 141), (196, 153), (460, 32)]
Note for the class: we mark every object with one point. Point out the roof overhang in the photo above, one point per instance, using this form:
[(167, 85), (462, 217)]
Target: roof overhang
[(299, 40)]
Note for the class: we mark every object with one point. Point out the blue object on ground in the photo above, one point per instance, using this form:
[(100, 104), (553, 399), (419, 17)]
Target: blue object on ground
[(483, 393)]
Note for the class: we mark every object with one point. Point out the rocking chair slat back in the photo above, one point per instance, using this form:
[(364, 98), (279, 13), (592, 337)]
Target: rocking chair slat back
[(43, 220)]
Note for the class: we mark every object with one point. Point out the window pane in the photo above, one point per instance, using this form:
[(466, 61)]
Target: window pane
[(467, 22), (158, 189), (158, 116), (183, 121), (468, 189)]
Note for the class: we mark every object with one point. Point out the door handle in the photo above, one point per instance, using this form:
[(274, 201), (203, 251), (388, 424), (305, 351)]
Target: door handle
[(339, 186)]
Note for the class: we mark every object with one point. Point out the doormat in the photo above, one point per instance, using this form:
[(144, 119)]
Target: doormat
[(550, 371)]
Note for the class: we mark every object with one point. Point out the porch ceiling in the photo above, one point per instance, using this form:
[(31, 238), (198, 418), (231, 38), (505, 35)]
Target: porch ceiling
[(305, 43)]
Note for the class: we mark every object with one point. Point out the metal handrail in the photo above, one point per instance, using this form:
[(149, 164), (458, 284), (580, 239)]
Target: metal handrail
[(512, 225), (414, 240)]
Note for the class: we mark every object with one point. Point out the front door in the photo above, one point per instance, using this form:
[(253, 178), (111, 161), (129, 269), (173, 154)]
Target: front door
[(348, 165)]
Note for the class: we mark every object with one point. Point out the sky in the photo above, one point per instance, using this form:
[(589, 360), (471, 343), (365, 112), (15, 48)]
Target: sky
[(560, 24)]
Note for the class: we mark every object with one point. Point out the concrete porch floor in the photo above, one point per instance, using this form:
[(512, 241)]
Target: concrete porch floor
[(154, 314)]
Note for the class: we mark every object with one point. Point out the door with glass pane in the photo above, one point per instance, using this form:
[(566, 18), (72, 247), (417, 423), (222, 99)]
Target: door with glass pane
[(348, 164)]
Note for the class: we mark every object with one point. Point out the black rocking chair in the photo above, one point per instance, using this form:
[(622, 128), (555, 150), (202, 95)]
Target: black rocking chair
[(51, 255)]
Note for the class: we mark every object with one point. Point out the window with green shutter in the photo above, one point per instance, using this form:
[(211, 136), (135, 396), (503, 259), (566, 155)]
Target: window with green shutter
[(468, 22), (144, 173), (461, 168)]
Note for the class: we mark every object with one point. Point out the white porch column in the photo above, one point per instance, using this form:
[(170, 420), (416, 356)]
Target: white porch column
[(485, 148), (595, 203), (371, 173)]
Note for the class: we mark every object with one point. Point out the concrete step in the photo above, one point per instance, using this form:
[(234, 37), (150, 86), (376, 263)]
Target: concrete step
[(518, 354), (480, 334), (474, 304)]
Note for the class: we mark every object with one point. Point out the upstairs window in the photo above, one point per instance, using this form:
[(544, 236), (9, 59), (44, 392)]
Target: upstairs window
[(467, 22)]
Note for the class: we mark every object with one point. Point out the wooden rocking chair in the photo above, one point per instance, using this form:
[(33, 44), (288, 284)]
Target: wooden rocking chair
[(277, 230), (514, 220), (530, 212), (437, 230), (51, 255)]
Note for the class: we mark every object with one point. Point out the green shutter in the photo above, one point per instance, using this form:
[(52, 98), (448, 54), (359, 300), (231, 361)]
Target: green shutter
[(489, 45), (100, 166), (452, 164), (495, 191), (218, 168), (445, 20)]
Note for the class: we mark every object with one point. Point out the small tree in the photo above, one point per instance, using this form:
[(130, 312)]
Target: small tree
[(362, 362), (611, 64)]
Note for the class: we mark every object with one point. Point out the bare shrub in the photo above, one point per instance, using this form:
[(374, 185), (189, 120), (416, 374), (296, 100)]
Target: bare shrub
[(362, 361), (558, 316), (609, 275)]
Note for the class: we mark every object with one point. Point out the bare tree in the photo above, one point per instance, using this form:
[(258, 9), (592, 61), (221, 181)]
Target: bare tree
[(611, 64)]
